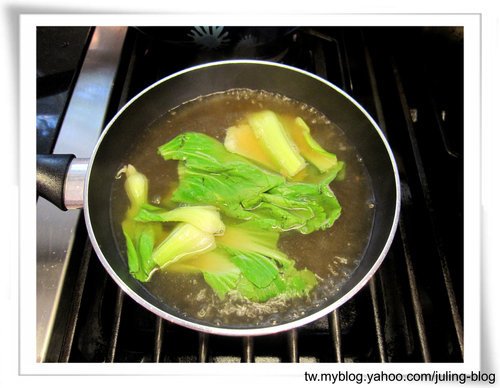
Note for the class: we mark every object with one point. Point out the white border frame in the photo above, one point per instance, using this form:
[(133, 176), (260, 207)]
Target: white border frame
[(472, 194)]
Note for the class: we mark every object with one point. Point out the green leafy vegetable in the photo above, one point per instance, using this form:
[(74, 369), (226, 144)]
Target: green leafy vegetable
[(328, 165), (257, 268), (139, 238), (322, 166), (184, 241), (262, 183), (240, 139), (206, 218), (308, 207), (247, 262), (214, 261), (267, 272), (223, 282), (291, 283), (144, 255), (220, 273), (250, 237), (269, 130), (134, 265), (136, 187), (211, 175), (300, 132)]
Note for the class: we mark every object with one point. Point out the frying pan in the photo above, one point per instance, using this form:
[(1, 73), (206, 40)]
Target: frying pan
[(56, 173)]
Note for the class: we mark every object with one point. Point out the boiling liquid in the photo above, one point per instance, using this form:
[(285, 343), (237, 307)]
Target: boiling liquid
[(332, 254)]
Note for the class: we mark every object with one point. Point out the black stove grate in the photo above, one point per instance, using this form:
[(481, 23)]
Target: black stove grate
[(411, 310)]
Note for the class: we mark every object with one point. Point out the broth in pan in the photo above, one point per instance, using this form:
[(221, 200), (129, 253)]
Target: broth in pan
[(332, 254)]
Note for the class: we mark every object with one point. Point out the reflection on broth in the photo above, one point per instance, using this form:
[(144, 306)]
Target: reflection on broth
[(332, 254)]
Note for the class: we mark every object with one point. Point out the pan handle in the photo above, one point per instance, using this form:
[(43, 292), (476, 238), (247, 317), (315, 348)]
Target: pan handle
[(60, 179)]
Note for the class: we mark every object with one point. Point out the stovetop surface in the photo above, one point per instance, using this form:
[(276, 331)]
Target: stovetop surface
[(410, 81)]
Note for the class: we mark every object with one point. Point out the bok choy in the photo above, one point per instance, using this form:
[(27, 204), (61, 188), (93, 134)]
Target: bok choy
[(139, 238), (211, 175), (231, 204), (248, 263)]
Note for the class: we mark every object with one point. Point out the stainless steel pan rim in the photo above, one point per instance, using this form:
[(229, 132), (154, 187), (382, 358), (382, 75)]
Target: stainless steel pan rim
[(258, 330)]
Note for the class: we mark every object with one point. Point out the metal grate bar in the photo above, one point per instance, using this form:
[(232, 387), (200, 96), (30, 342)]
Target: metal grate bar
[(375, 93), (319, 56), (76, 303), (440, 122), (457, 320), (415, 297), (293, 345), (378, 320), (381, 340), (416, 304), (158, 339), (203, 347), (335, 332), (117, 316), (319, 59), (347, 63), (398, 334), (248, 353)]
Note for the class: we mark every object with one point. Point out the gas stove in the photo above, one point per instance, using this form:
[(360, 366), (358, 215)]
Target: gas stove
[(409, 79)]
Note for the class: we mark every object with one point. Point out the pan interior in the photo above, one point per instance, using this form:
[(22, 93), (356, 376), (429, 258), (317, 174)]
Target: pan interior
[(145, 124)]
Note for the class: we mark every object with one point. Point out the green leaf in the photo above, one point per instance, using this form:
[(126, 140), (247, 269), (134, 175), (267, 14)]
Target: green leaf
[(184, 241), (136, 187), (217, 269), (211, 175), (133, 257), (146, 245), (215, 261), (256, 294), (240, 139), (205, 218), (223, 282), (322, 167), (299, 283), (255, 267), (309, 148), (139, 267), (271, 133), (291, 283), (248, 261), (318, 199), (249, 237), (313, 176)]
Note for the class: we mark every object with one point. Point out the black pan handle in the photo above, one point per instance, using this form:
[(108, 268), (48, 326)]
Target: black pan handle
[(51, 171)]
